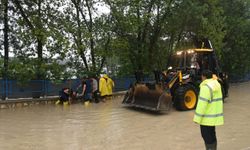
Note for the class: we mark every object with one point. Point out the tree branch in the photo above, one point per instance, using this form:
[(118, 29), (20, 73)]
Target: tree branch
[(23, 14)]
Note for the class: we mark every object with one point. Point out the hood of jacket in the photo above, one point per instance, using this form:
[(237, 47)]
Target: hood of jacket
[(212, 83)]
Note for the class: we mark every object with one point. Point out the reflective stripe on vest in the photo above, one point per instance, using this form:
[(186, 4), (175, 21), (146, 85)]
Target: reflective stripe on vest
[(210, 101), (211, 91), (209, 116)]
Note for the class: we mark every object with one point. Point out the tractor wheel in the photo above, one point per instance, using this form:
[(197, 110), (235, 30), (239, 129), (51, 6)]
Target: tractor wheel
[(185, 97)]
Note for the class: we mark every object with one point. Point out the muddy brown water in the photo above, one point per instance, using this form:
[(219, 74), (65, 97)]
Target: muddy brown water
[(111, 126)]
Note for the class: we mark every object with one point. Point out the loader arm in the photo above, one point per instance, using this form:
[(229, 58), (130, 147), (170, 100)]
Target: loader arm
[(177, 76)]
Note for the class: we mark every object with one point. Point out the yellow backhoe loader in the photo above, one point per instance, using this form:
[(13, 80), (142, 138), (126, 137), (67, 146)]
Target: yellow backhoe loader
[(178, 85)]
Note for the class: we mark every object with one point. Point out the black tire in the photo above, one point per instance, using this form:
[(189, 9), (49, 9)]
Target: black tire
[(185, 97)]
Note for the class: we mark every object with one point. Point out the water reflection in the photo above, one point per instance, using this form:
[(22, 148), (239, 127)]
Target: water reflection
[(96, 126)]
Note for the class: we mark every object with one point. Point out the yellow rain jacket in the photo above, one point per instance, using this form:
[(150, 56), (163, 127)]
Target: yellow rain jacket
[(103, 88), (209, 110), (110, 84)]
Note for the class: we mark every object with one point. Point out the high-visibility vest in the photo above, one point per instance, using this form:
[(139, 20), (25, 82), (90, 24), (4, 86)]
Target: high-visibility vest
[(209, 110)]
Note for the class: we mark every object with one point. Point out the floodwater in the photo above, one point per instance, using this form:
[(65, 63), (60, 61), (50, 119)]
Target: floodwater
[(111, 126)]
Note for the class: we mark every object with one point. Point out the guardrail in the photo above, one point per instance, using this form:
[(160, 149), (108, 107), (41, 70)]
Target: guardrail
[(26, 102), (45, 88)]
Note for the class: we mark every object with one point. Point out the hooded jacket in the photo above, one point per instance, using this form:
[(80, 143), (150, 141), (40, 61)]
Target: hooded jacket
[(110, 86), (209, 110), (103, 88)]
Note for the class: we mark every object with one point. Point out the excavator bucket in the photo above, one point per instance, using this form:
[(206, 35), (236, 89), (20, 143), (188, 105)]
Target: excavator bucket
[(151, 96)]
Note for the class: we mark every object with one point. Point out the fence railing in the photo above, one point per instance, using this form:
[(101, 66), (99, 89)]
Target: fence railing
[(11, 89), (239, 78), (42, 88)]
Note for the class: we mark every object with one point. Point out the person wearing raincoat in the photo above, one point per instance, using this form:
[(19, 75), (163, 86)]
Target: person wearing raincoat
[(103, 88), (209, 110), (110, 86)]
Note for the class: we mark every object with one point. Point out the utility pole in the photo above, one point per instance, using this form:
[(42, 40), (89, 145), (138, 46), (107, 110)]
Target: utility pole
[(6, 49)]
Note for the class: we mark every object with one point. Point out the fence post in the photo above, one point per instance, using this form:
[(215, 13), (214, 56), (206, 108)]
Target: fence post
[(5, 89), (44, 88)]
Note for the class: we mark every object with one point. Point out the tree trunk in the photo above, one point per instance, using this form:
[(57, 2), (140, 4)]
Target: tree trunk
[(40, 57), (6, 48), (40, 37), (78, 38)]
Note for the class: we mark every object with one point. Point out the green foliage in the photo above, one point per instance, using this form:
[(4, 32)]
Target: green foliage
[(152, 30), (88, 34), (25, 69), (236, 53), (22, 71), (54, 43), (1, 68)]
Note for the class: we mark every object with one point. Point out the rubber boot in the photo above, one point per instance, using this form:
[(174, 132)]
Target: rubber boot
[(57, 102), (65, 103), (86, 103), (211, 146)]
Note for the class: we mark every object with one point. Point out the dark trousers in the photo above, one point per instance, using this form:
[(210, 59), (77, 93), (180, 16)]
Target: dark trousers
[(97, 96), (208, 134)]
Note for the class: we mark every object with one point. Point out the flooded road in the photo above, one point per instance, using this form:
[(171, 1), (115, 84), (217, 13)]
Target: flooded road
[(111, 126)]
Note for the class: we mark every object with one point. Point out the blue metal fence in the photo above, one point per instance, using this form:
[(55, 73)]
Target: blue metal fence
[(238, 78), (40, 88)]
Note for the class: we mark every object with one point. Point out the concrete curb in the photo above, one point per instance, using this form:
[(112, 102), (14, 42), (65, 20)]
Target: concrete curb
[(25, 102)]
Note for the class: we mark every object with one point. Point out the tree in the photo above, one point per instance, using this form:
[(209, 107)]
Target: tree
[(236, 54), (88, 33), (36, 25), (150, 31), (58, 39), (139, 25)]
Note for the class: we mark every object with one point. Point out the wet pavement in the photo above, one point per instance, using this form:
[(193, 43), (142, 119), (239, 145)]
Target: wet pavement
[(111, 126)]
